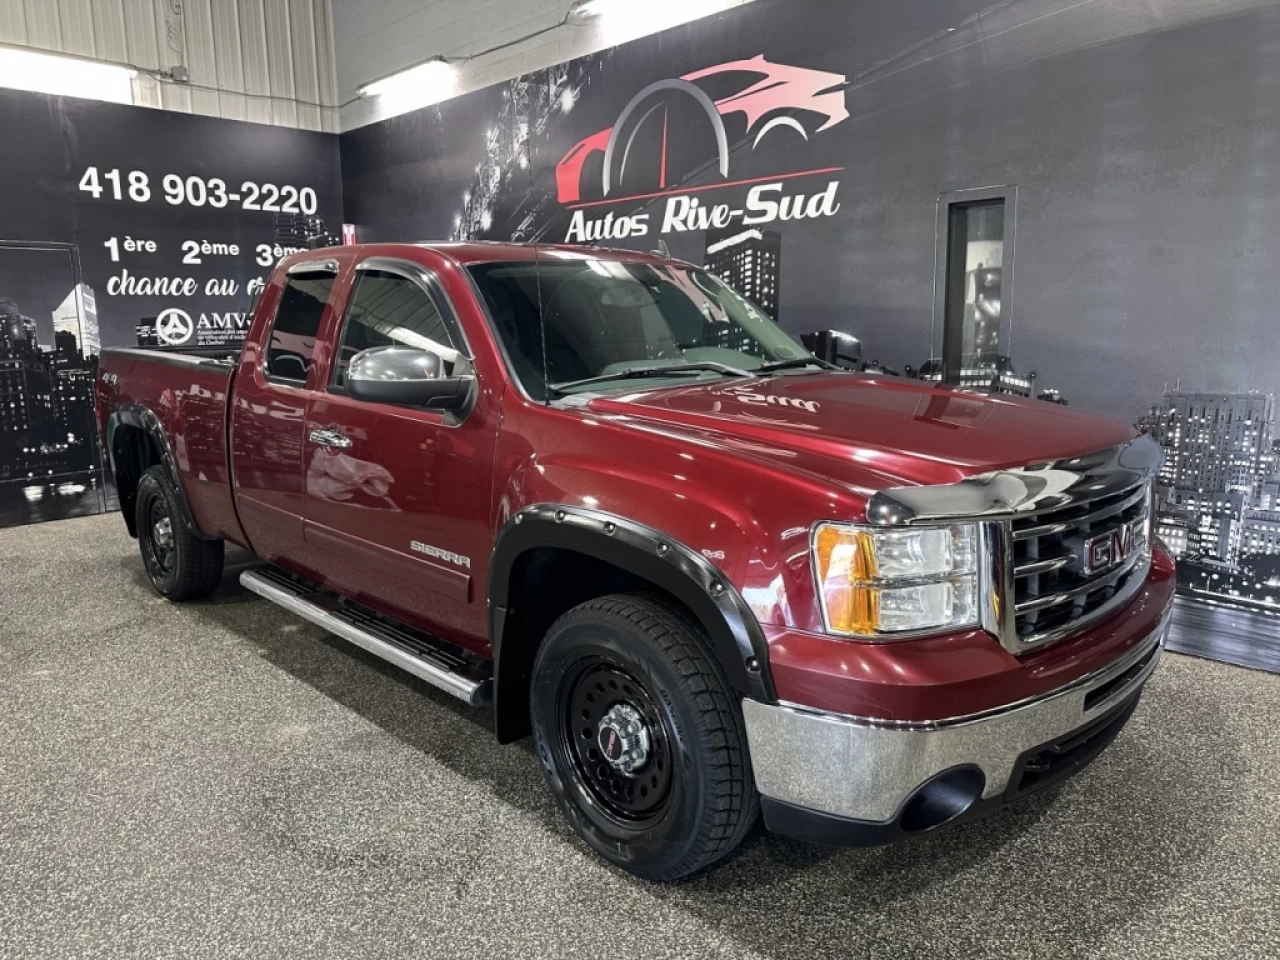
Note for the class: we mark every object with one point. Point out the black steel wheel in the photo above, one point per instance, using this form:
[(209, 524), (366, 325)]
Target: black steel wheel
[(158, 547), (641, 737), (180, 564), (618, 741)]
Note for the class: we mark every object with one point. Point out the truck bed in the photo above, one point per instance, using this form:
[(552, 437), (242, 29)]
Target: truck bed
[(186, 398)]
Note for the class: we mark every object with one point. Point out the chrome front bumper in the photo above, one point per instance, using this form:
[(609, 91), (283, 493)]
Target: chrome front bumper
[(867, 770)]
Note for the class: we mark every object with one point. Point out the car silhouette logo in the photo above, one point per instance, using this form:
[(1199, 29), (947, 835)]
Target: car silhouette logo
[(770, 96)]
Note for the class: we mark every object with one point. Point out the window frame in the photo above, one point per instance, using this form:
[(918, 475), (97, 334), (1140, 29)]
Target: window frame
[(298, 270), (947, 203), (427, 281)]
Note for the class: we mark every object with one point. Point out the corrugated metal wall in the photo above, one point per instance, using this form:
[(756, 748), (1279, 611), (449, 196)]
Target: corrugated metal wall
[(269, 61)]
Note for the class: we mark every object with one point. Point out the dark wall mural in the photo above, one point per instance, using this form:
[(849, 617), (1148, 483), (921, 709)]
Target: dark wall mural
[(1108, 174), (124, 226)]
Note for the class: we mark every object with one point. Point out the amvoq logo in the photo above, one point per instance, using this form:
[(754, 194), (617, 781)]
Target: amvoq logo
[(174, 327)]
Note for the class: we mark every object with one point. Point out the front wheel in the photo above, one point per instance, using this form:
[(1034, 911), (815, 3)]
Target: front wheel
[(641, 737), (180, 565)]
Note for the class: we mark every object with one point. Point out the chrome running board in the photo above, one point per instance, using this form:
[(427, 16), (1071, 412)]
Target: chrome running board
[(440, 664)]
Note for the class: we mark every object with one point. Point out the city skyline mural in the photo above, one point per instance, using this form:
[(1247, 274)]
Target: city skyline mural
[(806, 156), (1218, 508), (50, 465)]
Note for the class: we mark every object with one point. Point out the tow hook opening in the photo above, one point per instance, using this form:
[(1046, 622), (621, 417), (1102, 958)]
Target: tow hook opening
[(942, 799)]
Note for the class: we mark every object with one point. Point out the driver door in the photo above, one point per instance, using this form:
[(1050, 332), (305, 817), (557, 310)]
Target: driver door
[(397, 498)]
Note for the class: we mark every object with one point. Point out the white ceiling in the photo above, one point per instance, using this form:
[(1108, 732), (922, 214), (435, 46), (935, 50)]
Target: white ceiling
[(374, 38)]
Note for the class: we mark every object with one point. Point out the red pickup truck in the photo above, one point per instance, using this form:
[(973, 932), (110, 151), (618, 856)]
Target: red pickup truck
[(713, 576)]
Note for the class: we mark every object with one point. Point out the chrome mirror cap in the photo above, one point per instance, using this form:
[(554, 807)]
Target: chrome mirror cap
[(394, 364), (407, 377)]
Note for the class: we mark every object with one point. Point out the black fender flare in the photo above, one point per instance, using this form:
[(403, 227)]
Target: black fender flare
[(136, 415), (736, 638)]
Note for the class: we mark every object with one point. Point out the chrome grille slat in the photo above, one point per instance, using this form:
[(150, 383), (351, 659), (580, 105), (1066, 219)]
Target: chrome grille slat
[(1051, 592), (1122, 596), (1043, 566), (1042, 531), (1058, 526), (1089, 586)]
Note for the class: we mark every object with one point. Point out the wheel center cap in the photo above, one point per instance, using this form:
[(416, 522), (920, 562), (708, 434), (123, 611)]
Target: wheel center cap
[(163, 533), (624, 738)]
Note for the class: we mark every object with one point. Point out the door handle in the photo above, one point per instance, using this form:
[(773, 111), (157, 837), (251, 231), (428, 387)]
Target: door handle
[(329, 438)]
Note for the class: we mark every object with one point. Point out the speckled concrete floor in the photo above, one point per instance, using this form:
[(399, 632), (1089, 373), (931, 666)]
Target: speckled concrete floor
[(221, 780)]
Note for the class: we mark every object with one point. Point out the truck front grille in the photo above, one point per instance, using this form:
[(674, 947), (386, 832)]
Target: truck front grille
[(1074, 564)]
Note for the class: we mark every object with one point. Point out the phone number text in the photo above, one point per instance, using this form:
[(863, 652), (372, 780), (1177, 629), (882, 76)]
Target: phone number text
[(135, 185)]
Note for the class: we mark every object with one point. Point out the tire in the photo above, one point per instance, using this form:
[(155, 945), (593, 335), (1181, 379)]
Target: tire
[(672, 799), (179, 564)]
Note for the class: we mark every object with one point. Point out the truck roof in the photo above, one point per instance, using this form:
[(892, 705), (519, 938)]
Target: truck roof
[(487, 251)]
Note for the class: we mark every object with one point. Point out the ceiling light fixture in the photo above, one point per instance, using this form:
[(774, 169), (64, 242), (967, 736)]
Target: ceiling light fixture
[(624, 20), (22, 68), (425, 81), (662, 9)]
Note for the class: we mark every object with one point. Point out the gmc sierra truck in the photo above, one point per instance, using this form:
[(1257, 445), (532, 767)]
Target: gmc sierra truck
[(714, 577)]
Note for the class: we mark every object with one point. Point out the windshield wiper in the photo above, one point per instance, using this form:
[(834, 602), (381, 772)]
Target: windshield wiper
[(667, 370), (773, 365)]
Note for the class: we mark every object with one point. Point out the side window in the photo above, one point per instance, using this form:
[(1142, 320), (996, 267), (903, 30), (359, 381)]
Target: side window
[(388, 309), (293, 335)]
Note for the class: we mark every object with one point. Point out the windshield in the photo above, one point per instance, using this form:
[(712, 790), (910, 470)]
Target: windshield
[(605, 317)]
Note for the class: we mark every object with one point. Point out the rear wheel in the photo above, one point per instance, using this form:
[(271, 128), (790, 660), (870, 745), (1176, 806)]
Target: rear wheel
[(179, 564), (641, 737)]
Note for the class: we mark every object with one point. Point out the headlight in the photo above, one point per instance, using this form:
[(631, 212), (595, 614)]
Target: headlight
[(875, 582)]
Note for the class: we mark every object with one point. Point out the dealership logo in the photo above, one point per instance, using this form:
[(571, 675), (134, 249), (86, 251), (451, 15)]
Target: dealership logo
[(772, 97), (175, 327), (679, 129)]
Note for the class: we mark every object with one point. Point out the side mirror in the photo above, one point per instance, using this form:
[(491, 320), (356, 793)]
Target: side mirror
[(406, 377)]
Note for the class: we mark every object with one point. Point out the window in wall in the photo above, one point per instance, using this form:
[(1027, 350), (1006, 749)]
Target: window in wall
[(388, 309), (975, 328), (293, 335)]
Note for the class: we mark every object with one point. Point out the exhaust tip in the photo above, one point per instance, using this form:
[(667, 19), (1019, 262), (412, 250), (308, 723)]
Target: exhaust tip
[(942, 799)]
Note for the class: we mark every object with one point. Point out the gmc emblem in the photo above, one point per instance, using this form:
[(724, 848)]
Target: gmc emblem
[(1114, 547)]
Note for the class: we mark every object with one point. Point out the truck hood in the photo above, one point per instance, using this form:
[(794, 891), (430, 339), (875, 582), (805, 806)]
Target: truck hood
[(866, 431)]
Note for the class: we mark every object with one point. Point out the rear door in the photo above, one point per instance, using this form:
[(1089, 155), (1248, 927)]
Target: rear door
[(397, 498), (269, 404)]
